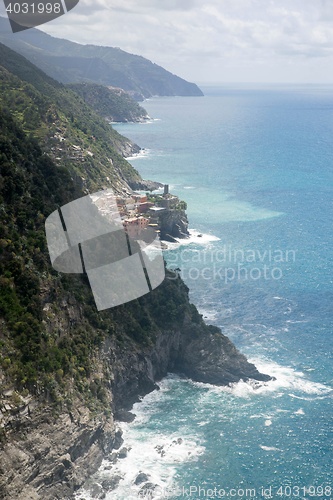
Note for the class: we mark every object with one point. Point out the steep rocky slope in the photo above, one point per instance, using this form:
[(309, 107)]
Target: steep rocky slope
[(51, 447)]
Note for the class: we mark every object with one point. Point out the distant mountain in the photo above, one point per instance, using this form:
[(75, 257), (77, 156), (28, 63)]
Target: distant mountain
[(70, 62)]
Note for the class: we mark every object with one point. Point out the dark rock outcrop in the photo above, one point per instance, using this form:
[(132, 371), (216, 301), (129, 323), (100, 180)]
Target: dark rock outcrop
[(141, 478), (187, 347), (213, 358), (173, 224), (128, 148), (192, 349)]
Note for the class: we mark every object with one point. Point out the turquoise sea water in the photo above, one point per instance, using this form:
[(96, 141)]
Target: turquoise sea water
[(255, 166)]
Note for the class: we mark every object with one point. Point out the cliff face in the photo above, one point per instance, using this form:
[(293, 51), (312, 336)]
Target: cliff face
[(51, 449), (190, 348), (174, 223), (50, 454)]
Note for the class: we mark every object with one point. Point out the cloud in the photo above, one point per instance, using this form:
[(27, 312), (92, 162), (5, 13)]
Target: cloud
[(144, 6), (195, 37)]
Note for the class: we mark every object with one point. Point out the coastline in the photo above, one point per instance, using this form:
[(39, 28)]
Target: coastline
[(71, 376), (297, 396), (74, 443), (75, 437)]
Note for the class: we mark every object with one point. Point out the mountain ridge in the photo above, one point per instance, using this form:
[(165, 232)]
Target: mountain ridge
[(108, 66)]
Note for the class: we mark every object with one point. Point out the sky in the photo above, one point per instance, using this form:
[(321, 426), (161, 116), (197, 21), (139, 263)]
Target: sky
[(215, 40)]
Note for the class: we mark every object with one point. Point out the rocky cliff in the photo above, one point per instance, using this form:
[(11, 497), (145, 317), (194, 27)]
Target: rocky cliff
[(186, 346), (50, 448), (173, 224), (49, 454)]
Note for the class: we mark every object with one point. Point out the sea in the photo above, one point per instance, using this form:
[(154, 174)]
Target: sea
[(254, 164)]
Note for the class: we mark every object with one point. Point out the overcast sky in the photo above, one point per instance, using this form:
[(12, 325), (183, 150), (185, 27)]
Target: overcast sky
[(213, 40)]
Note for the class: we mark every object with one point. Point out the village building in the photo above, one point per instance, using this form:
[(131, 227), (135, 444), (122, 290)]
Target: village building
[(131, 209), (134, 225)]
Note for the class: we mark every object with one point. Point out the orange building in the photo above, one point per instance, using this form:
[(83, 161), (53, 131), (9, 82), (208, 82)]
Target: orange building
[(134, 225)]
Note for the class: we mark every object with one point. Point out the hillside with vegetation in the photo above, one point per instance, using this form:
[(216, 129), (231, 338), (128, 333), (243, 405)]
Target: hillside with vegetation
[(70, 62), (113, 104), (35, 353), (66, 370), (67, 128), (53, 364)]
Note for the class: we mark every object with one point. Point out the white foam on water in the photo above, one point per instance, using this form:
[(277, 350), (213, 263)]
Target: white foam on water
[(208, 314), (289, 378), (150, 121), (155, 455), (195, 237), (203, 423), (150, 451), (143, 153), (158, 454), (286, 379), (269, 448), (295, 322)]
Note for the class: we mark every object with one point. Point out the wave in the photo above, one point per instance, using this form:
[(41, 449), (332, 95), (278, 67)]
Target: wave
[(152, 454), (154, 460), (269, 448), (150, 121), (286, 379), (289, 378), (208, 314), (196, 238), (143, 153)]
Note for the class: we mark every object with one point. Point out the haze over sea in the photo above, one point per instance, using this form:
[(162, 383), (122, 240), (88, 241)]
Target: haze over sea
[(255, 166)]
